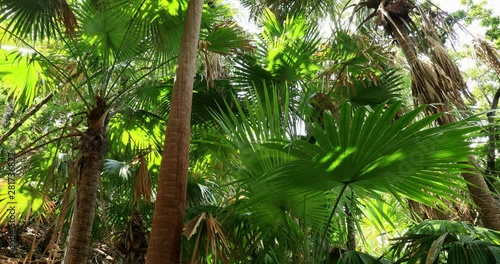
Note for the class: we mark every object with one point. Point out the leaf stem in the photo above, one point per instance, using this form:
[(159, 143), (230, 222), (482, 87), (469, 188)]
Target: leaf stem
[(330, 217)]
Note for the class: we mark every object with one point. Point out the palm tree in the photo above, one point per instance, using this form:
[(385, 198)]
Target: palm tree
[(107, 64), (168, 218)]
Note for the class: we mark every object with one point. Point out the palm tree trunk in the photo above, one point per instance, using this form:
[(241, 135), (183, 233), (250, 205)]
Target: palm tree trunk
[(93, 149), (489, 210), (351, 229), (482, 197), (165, 239), (492, 145)]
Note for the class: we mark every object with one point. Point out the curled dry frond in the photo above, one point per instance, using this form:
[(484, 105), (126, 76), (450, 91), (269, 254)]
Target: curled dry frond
[(142, 182), (214, 236), (436, 78), (487, 53), (456, 85)]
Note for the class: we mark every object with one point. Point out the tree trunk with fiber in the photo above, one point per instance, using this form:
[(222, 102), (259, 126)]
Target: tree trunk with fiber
[(165, 240), (93, 149), (483, 198)]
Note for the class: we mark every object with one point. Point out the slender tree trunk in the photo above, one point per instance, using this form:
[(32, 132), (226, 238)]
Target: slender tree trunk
[(492, 145), (351, 229), (482, 197), (164, 244), (93, 149), (489, 209)]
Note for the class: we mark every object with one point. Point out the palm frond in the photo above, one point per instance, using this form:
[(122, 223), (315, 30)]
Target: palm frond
[(487, 53), (224, 37), (211, 232), (284, 53), (372, 154), (117, 168), (23, 75), (450, 241), (110, 30), (22, 202), (38, 20)]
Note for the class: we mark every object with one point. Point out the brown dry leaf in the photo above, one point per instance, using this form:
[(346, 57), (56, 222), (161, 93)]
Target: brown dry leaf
[(142, 182), (487, 53), (191, 227)]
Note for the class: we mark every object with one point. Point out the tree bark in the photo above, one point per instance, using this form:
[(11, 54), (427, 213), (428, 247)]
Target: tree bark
[(164, 244), (492, 139), (351, 229), (489, 209), (93, 148)]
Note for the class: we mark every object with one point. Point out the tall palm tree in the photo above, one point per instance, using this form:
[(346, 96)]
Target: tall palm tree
[(110, 49), (168, 219)]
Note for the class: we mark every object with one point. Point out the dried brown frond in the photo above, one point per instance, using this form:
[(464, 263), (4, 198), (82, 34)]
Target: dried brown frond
[(191, 227), (214, 69), (427, 83), (436, 80), (487, 53), (456, 85), (67, 17), (142, 182), (215, 240)]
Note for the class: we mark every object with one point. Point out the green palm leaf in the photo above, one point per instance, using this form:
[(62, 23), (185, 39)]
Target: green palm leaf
[(284, 53), (37, 20), (438, 241), (22, 202), (23, 75), (370, 153)]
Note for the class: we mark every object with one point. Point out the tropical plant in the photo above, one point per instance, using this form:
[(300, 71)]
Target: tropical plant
[(168, 219), (101, 61), (319, 180), (299, 146), (447, 242)]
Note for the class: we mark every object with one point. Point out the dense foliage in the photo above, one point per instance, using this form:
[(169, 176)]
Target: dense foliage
[(361, 146)]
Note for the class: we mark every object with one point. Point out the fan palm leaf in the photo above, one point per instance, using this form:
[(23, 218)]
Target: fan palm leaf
[(284, 54), (441, 241), (38, 20), (360, 153), (21, 203)]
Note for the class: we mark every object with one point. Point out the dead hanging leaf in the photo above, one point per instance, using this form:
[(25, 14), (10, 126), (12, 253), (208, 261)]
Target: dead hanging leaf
[(203, 45), (142, 182), (214, 68), (67, 17), (436, 80), (487, 53), (215, 240), (456, 86), (191, 227)]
